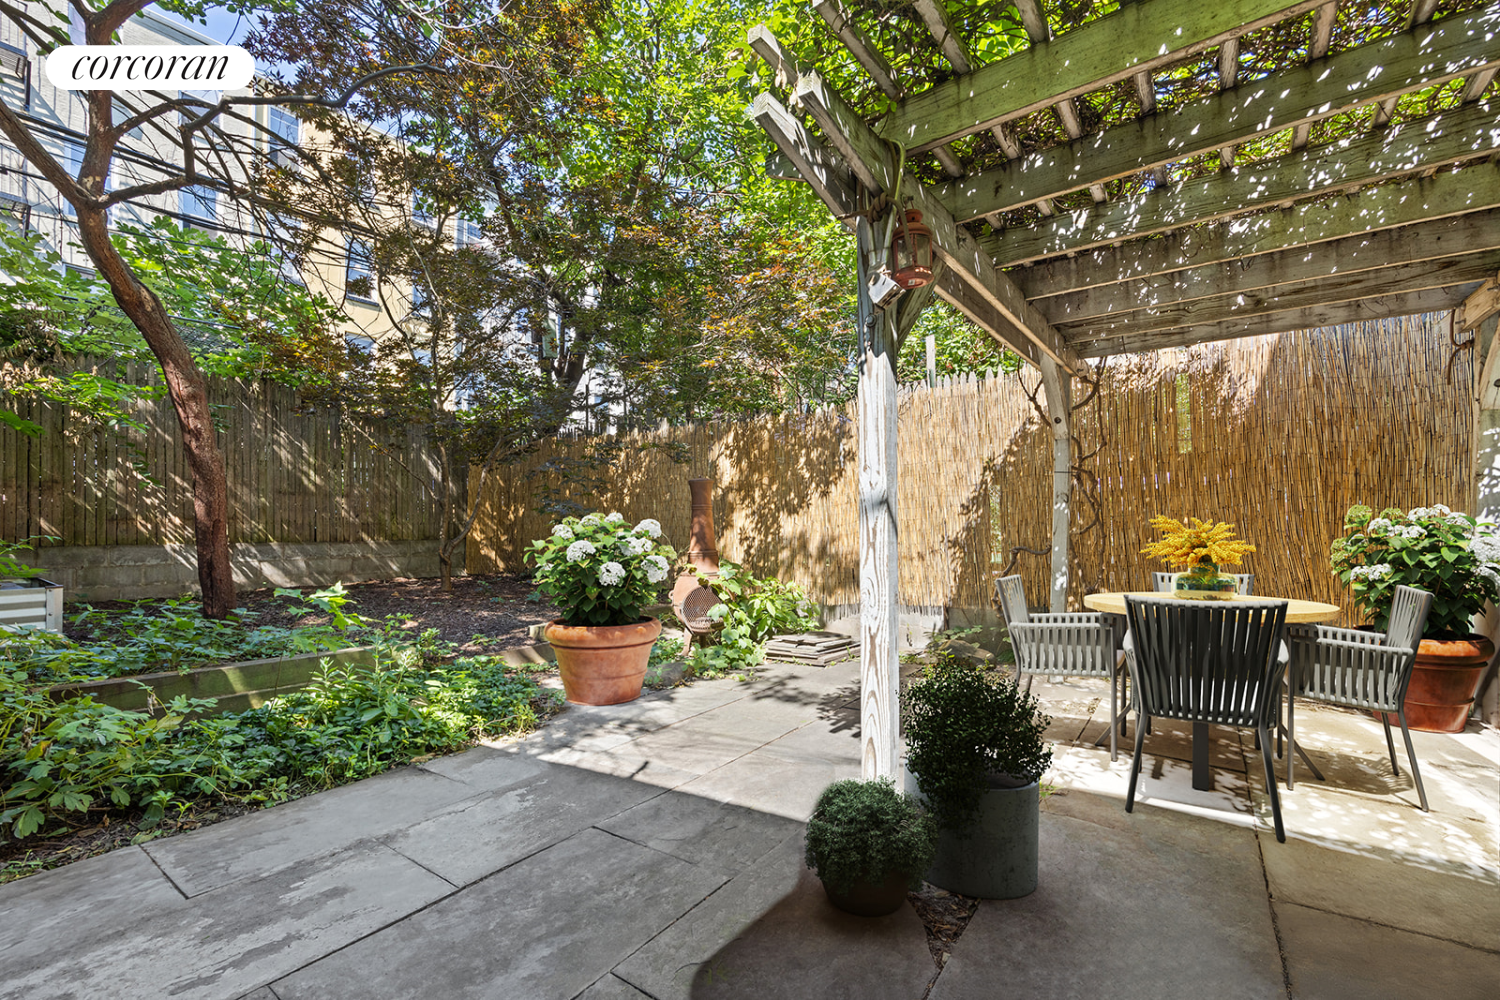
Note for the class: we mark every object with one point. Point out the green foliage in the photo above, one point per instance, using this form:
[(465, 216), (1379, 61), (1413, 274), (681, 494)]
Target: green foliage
[(61, 759), (961, 347), (598, 571), (752, 611), (154, 636), (964, 725), (10, 566), (1443, 551), (862, 831)]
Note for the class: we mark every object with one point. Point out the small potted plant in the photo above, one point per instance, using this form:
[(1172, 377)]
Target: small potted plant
[(602, 572), (869, 844), (975, 752), (1453, 557), (1199, 549)]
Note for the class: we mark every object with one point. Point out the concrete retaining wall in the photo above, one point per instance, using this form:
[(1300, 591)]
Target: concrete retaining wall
[(128, 572)]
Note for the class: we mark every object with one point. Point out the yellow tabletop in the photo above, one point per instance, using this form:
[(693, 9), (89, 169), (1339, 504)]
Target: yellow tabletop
[(1297, 612)]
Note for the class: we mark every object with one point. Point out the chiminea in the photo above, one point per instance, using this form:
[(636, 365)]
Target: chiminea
[(690, 600)]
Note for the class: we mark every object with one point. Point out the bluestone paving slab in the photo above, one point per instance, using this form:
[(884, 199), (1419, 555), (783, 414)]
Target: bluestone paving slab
[(771, 933), (1164, 783), (782, 785), (544, 929), (84, 901), (693, 752), (270, 839), (623, 762), (264, 993), (702, 830), (1333, 956), (831, 739), (492, 831), (233, 940), (1169, 906), (612, 988), (755, 723)]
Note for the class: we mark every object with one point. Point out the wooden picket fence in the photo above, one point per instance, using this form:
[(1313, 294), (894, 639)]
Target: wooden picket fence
[(1277, 434), (296, 473)]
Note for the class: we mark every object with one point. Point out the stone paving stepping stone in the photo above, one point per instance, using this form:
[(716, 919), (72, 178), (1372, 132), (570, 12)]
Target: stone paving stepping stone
[(544, 929)]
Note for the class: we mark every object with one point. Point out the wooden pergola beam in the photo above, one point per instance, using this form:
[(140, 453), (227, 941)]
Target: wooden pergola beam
[(1454, 136), (1141, 37), (1311, 317), (1336, 259), (1449, 198), (874, 162), (1443, 272), (1453, 47), (804, 157)]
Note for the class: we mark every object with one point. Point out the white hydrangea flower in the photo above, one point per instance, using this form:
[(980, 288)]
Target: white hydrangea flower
[(614, 518), (1417, 512), (562, 531), (1411, 531), (656, 568), (640, 546), (589, 520), (1442, 509), (611, 573), (1377, 572), (1457, 519), (1379, 525), (580, 549), (1486, 547), (650, 526), (1488, 572)]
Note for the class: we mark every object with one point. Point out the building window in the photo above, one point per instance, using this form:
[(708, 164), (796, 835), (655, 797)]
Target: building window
[(281, 236), (200, 98), (72, 162), (468, 233), (13, 58), (285, 130), (199, 204), (359, 273), (360, 345), (15, 213)]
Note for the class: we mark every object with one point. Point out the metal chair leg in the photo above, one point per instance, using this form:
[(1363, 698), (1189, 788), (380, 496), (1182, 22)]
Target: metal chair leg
[(1291, 737), (1390, 744), (1114, 683), (1135, 763), (1265, 757), (1412, 755)]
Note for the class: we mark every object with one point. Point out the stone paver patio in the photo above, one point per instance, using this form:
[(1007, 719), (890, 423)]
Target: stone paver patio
[(654, 850)]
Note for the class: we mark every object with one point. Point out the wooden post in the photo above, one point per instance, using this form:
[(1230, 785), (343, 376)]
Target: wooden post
[(931, 360), (1486, 485), (1058, 385), (878, 668)]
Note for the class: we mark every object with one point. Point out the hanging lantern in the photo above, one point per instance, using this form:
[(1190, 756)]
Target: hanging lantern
[(911, 252)]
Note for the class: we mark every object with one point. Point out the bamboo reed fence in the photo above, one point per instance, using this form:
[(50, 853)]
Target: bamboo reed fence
[(296, 473), (1277, 434)]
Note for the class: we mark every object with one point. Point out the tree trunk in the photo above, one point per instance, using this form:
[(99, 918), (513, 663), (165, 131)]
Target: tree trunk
[(188, 391), (445, 532)]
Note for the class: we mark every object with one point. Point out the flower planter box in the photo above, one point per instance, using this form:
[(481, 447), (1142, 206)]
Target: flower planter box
[(33, 603), (236, 687)]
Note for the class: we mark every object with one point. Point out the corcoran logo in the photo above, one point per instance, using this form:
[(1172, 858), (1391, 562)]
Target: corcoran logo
[(150, 67)]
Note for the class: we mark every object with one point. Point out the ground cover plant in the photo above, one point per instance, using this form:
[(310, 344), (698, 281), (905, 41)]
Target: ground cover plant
[(65, 764), (753, 610), (156, 636)]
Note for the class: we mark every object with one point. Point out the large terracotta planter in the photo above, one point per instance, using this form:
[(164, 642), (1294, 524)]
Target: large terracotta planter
[(603, 664), (1443, 683)]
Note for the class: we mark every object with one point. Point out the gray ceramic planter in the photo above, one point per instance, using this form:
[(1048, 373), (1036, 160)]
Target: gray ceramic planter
[(996, 856)]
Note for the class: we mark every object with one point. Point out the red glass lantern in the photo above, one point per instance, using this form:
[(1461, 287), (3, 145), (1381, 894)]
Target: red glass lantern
[(911, 252)]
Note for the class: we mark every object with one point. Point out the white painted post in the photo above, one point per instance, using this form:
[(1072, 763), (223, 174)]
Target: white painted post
[(1486, 504), (931, 360), (878, 668), (1058, 385)]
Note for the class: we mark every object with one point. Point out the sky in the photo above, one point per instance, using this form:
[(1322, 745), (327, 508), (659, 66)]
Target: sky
[(223, 27)]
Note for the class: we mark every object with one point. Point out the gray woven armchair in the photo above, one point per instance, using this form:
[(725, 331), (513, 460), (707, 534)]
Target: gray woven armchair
[(1244, 583), (1358, 669), (1070, 644)]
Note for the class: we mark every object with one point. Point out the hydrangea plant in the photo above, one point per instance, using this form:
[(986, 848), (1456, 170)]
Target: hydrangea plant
[(601, 571), (1437, 549)]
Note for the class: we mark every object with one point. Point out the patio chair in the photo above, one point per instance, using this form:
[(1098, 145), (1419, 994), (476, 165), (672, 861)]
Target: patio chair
[(1357, 669), (1070, 644), (1211, 662), (1244, 583)]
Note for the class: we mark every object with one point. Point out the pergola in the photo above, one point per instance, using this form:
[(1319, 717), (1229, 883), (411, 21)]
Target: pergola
[(1134, 176)]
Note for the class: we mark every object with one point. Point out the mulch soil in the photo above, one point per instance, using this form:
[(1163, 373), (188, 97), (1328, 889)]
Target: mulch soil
[(493, 607)]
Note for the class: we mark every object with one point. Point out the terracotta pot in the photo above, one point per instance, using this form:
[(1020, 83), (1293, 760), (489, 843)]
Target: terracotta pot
[(603, 664), (1443, 683), (871, 899)]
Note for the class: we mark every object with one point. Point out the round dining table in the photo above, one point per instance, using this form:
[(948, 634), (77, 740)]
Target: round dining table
[(1297, 613)]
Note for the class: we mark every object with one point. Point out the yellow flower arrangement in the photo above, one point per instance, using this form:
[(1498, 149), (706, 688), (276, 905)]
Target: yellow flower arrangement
[(1187, 545)]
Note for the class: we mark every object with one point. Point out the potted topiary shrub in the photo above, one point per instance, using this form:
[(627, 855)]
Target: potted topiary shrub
[(1455, 558), (975, 753), (869, 844), (601, 572)]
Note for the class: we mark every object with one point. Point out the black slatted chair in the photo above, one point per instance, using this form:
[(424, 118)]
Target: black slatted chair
[(1215, 662), (1357, 669)]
